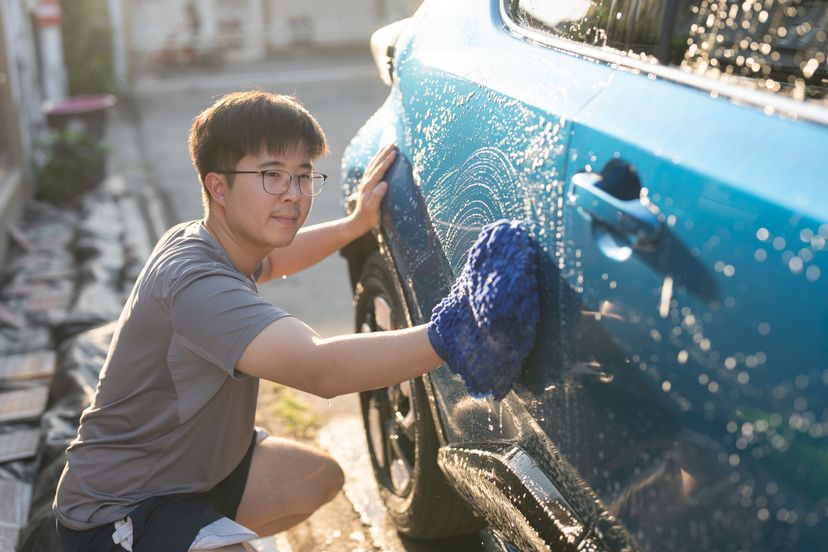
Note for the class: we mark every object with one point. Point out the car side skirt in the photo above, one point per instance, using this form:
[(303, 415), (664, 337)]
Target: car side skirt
[(512, 492)]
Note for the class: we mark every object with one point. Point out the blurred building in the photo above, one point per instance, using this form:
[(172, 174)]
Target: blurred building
[(20, 107), (207, 31)]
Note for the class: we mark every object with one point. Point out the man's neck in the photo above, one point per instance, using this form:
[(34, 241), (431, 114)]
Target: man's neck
[(242, 255)]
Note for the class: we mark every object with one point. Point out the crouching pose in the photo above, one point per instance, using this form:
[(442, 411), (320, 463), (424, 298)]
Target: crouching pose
[(167, 457)]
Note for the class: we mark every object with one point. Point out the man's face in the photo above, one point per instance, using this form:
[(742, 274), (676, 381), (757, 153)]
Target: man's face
[(262, 219)]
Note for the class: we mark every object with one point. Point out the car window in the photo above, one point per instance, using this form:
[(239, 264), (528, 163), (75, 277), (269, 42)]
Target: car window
[(626, 25), (777, 45)]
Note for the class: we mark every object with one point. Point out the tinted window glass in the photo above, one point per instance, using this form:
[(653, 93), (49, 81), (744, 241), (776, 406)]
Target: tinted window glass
[(622, 24), (777, 45)]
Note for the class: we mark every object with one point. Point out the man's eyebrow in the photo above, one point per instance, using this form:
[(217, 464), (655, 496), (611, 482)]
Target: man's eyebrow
[(277, 163)]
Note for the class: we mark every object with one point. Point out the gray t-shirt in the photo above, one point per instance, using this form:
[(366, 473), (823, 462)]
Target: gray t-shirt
[(170, 414)]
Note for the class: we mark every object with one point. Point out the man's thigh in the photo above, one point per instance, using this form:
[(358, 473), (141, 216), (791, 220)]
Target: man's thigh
[(286, 479)]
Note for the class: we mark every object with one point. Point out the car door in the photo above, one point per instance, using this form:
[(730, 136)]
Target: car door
[(694, 306), (485, 118)]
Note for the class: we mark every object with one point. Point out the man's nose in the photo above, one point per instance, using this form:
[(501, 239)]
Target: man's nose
[(292, 193)]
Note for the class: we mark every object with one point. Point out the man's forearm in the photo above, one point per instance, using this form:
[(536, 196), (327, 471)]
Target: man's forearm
[(311, 245), (361, 362), (291, 353)]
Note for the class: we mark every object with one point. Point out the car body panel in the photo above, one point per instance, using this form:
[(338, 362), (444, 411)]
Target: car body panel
[(658, 369), (675, 351)]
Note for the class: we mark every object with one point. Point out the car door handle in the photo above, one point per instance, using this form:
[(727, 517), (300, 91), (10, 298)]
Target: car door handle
[(630, 218)]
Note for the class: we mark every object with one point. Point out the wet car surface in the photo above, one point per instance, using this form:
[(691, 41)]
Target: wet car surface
[(668, 159)]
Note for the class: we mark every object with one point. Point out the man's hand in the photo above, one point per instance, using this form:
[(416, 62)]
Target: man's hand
[(371, 190)]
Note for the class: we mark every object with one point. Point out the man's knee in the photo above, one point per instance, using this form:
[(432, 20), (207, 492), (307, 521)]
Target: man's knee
[(334, 479), (287, 479)]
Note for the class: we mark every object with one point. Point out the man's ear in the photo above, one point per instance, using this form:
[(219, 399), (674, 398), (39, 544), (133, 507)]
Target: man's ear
[(216, 185)]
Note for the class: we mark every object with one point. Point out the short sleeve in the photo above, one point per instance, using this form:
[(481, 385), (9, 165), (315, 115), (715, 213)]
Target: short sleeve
[(217, 316)]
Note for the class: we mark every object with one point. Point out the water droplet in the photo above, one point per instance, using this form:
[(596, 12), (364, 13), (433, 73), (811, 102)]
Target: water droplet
[(795, 264), (812, 274)]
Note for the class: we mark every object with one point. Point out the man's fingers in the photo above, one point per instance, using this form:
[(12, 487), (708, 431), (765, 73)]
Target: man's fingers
[(380, 169), (380, 162), (373, 192), (375, 160), (378, 192)]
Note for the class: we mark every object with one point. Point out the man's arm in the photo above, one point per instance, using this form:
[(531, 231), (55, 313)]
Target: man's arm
[(311, 245), (314, 243), (291, 353)]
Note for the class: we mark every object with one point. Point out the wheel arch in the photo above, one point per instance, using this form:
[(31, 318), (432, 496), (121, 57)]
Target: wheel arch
[(405, 238)]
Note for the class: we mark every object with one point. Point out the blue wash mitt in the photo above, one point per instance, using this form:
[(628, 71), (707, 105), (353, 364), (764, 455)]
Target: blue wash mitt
[(486, 325)]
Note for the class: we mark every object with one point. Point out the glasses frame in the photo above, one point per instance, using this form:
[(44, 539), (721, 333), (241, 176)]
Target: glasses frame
[(290, 174)]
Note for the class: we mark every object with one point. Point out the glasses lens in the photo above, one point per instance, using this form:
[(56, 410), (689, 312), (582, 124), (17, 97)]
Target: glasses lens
[(318, 182), (276, 182), (311, 184)]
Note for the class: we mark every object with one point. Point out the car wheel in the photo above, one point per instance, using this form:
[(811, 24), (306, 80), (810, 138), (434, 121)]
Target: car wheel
[(400, 431)]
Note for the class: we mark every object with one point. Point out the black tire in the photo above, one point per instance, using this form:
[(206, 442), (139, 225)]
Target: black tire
[(400, 431)]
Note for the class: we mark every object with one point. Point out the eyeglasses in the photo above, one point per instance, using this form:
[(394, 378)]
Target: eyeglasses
[(277, 181)]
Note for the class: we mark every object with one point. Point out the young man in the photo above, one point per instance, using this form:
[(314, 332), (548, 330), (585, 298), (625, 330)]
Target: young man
[(166, 456)]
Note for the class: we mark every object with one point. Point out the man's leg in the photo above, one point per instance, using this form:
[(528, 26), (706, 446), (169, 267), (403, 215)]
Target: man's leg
[(287, 482)]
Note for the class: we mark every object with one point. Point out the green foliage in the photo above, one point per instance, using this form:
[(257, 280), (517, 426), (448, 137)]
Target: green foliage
[(282, 412), (295, 414), (71, 162), (87, 47)]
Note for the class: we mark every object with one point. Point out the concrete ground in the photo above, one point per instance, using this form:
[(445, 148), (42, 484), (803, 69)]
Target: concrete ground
[(342, 90)]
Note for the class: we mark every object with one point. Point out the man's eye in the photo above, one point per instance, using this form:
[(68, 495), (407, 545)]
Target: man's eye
[(272, 174), (304, 177)]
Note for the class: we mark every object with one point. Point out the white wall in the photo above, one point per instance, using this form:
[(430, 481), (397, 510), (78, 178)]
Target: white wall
[(246, 30), (23, 71)]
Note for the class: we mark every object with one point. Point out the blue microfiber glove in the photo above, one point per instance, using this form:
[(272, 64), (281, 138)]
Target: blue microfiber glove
[(486, 325)]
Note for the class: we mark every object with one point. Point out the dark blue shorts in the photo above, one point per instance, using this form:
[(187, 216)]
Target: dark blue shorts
[(167, 523)]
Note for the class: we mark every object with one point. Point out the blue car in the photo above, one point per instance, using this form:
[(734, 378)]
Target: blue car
[(669, 159)]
